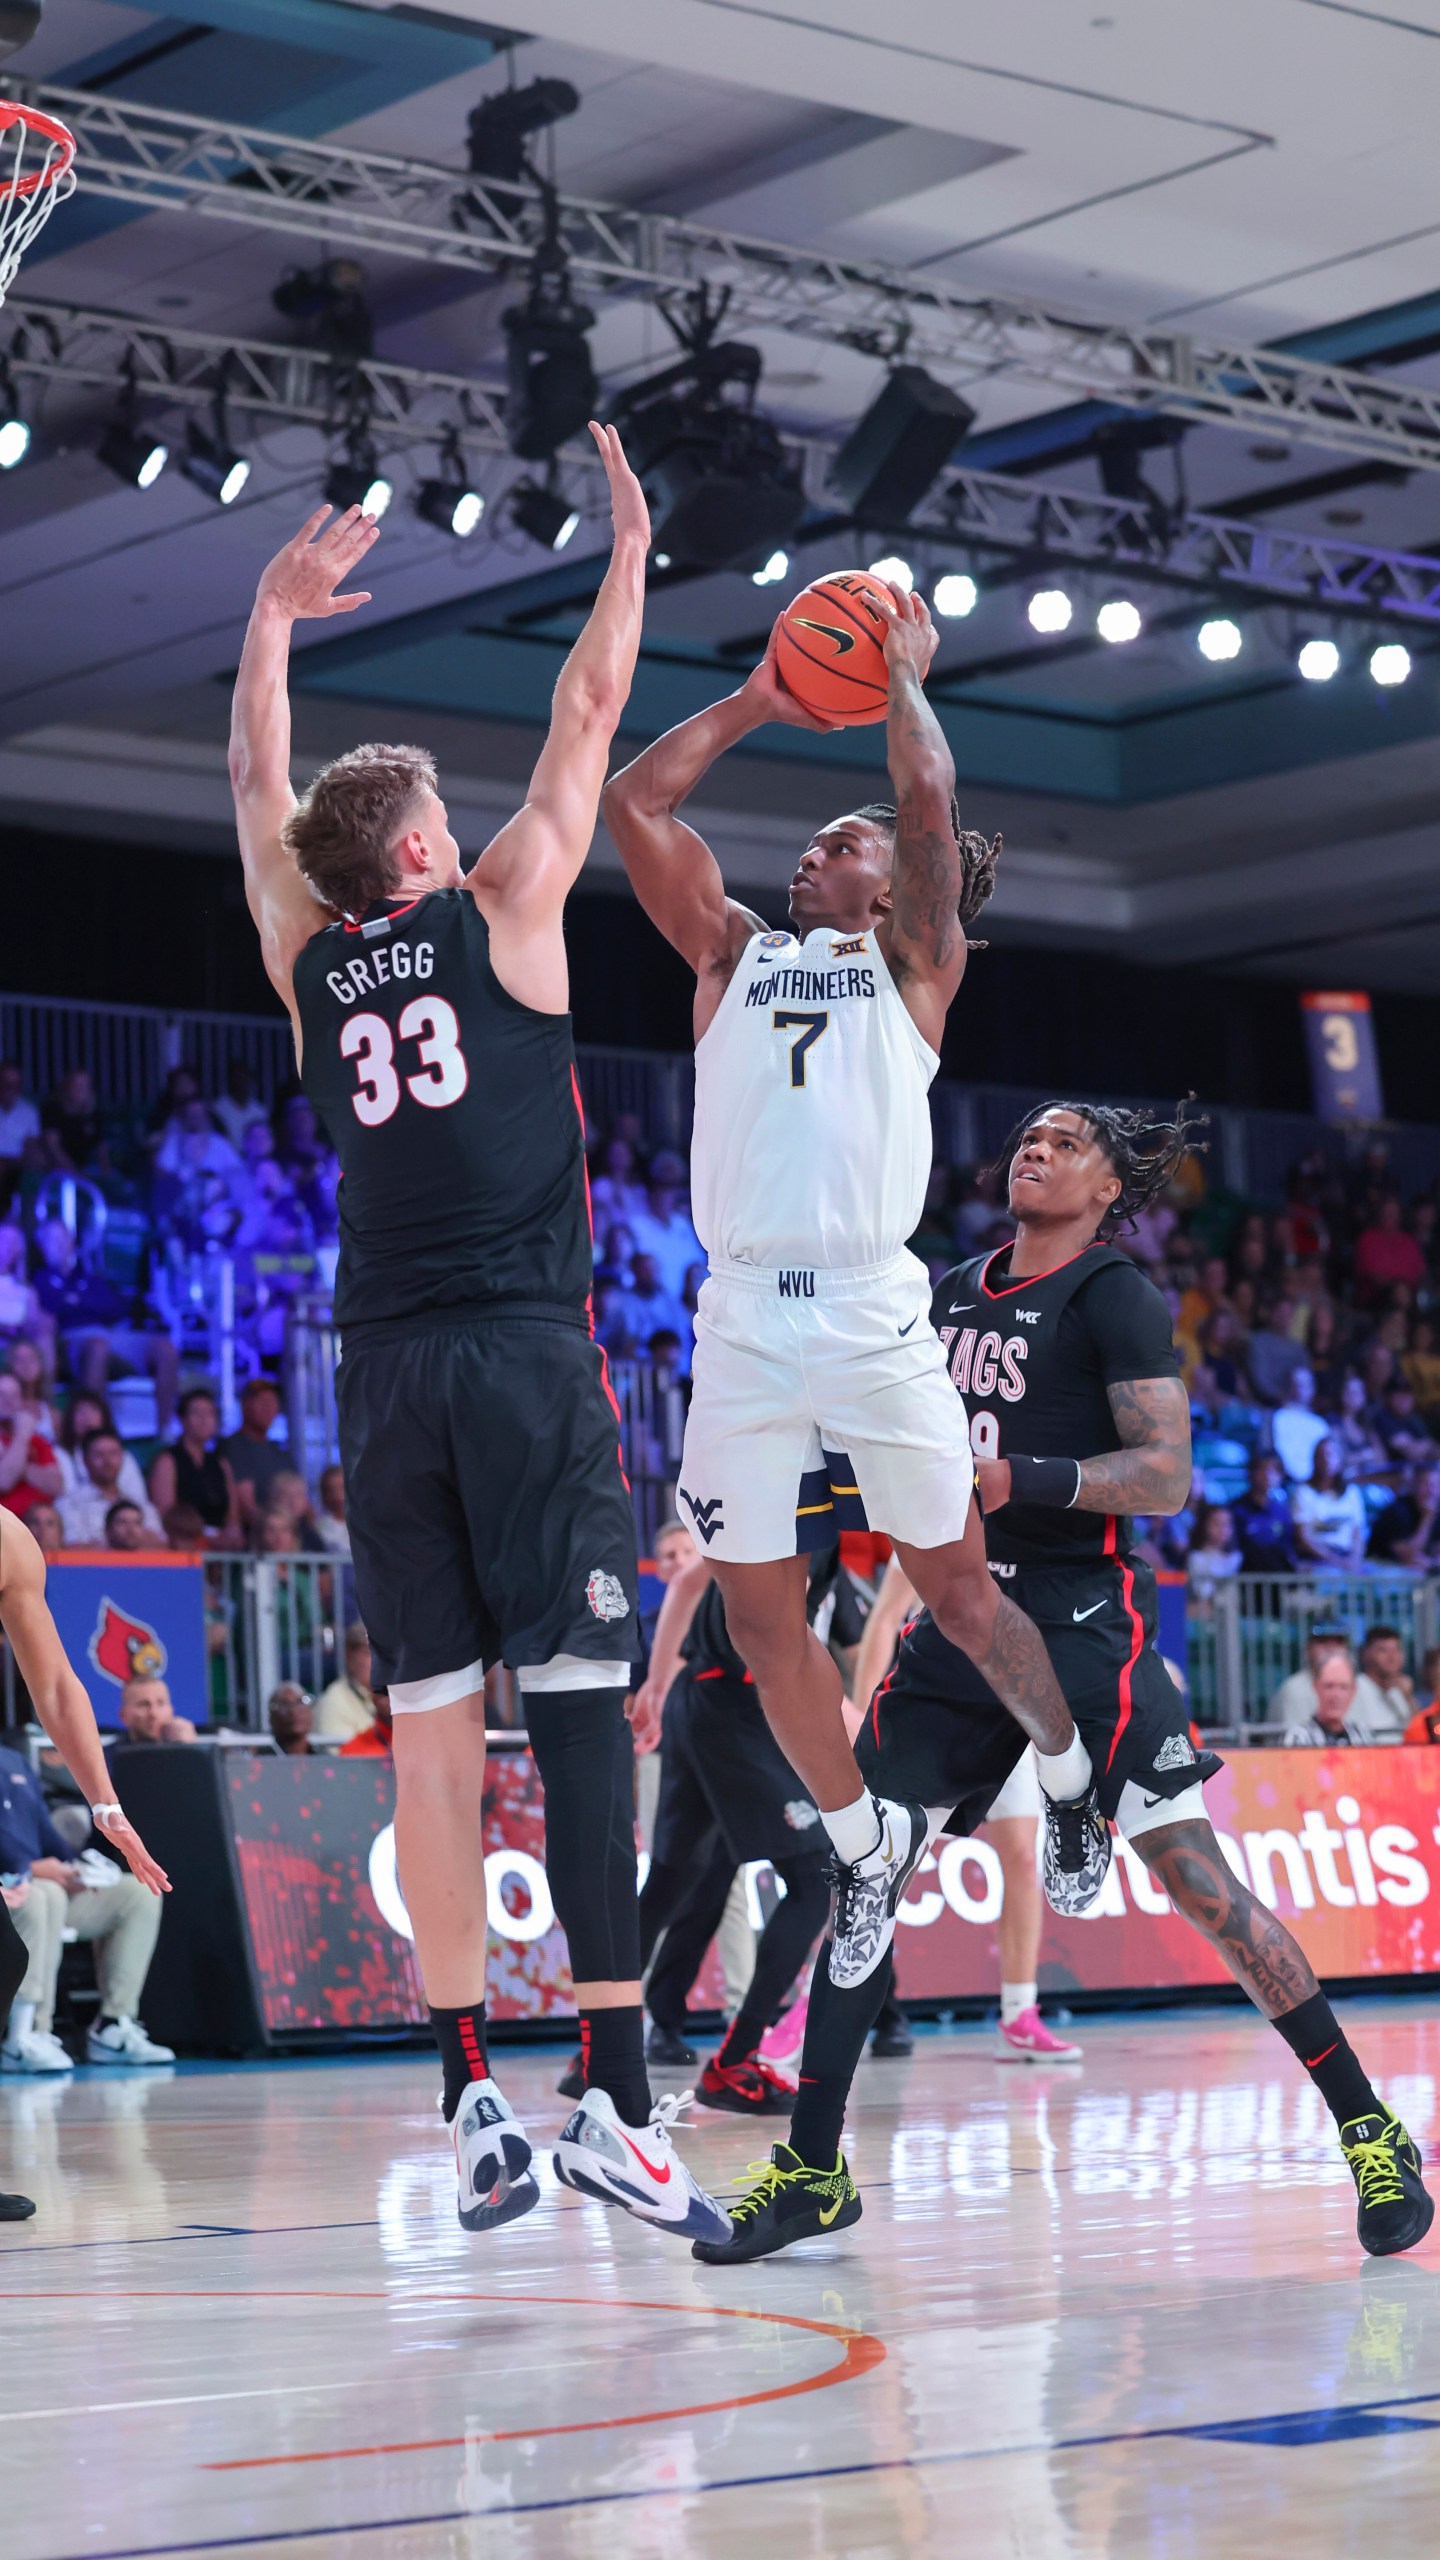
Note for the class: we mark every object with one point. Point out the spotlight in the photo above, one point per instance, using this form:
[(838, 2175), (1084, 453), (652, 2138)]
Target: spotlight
[(448, 501), (775, 568), (900, 446), (724, 492), (1390, 663), (500, 127), (331, 306), (955, 595), (552, 382), (1318, 661), (1118, 621), (892, 567), (1049, 610), (1218, 640), (132, 454), (212, 463), (662, 559), (548, 518), (14, 441), (356, 480)]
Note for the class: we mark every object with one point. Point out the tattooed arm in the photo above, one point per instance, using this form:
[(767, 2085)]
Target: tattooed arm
[(922, 936), (1150, 1473)]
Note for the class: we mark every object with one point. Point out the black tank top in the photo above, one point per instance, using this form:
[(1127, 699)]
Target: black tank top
[(1033, 1360), (203, 1487), (455, 1114)]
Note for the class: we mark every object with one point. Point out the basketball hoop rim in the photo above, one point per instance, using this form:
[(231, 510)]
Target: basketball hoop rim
[(49, 129)]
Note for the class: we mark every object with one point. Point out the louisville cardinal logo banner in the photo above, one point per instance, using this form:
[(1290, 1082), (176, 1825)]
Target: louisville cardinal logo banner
[(121, 1620), (125, 1648)]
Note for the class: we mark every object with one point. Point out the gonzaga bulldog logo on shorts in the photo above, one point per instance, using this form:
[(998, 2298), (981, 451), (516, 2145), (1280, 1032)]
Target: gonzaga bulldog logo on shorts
[(605, 1597)]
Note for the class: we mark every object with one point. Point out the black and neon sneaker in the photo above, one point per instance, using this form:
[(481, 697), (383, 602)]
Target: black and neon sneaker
[(1077, 1852), (1395, 2210), (789, 2203)]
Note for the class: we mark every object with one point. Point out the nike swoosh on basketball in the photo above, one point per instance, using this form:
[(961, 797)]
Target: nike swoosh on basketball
[(1077, 1614), (825, 2219), (660, 2176), (844, 640), (908, 1328)]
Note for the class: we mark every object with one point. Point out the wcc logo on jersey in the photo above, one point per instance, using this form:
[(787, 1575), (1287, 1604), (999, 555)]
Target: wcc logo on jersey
[(124, 1648)]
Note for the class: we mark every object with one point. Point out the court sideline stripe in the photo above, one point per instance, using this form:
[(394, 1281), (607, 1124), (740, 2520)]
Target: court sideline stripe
[(19, 2251), (755, 2480)]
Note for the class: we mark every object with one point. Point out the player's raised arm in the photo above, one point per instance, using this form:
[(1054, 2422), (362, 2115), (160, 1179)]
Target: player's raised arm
[(938, 879), (671, 869), (298, 585), (58, 1697)]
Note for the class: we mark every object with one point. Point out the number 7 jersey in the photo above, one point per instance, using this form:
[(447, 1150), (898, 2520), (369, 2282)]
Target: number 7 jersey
[(812, 1141), (454, 1111)]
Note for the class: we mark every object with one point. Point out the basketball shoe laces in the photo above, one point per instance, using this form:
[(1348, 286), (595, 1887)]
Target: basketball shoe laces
[(770, 2180), (1377, 2173), (1075, 1834)]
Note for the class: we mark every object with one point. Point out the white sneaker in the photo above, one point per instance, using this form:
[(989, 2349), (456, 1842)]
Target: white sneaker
[(124, 2040), (35, 2050), (492, 2160), (637, 2167), (868, 1894)]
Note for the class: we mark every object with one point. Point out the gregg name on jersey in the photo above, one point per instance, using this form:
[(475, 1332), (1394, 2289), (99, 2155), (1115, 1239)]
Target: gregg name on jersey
[(398, 962)]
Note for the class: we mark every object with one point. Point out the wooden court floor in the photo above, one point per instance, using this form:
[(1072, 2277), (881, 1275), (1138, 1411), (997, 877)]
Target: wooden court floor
[(1108, 2311)]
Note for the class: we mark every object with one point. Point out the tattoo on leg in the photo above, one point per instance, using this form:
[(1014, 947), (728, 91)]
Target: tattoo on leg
[(1017, 1667), (1265, 1960)]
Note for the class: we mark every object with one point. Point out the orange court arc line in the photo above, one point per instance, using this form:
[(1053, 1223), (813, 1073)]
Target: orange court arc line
[(862, 2354)]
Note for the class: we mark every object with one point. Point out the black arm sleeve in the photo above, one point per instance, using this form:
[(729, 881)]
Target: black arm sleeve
[(1128, 1323)]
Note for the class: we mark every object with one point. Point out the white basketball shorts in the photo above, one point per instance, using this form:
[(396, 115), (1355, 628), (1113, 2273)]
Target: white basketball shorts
[(821, 1402)]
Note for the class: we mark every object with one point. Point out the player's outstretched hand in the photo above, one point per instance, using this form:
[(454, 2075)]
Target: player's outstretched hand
[(628, 511), (302, 578), (767, 690), (135, 1854), (912, 639), (645, 1711)]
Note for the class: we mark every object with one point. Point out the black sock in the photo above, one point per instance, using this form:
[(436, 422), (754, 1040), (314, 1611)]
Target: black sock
[(460, 2034), (612, 2047), (1317, 2039), (836, 2027), (785, 1942)]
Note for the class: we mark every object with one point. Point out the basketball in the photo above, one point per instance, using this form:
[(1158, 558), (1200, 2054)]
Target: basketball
[(831, 647)]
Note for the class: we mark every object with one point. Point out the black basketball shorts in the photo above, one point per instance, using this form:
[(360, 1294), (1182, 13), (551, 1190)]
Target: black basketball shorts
[(721, 1764), (489, 1516), (937, 1734)]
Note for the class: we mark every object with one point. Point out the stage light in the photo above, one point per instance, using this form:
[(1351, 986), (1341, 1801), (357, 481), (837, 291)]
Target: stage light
[(331, 306), (1118, 621), (1218, 640), (724, 492), (662, 559), (500, 127), (448, 501), (544, 514), (1390, 663), (900, 446), (1318, 661), (552, 388), (14, 441), (1049, 610), (955, 595), (211, 461), (775, 568), (356, 480), (132, 454), (897, 571)]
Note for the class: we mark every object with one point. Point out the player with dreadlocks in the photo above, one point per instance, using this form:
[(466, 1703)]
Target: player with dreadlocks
[(1058, 1344), (818, 1383)]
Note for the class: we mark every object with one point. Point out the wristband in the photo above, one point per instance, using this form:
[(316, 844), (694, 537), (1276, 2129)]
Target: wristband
[(105, 1814), (1046, 1484)]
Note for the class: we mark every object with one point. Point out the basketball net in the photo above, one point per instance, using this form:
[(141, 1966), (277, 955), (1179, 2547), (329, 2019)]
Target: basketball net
[(37, 172)]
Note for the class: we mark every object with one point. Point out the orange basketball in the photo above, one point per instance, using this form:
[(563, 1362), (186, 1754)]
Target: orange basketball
[(831, 647)]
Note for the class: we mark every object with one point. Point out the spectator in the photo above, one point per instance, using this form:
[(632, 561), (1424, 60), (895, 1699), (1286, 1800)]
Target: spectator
[(330, 1519), (347, 1707), (19, 1127), (1295, 1428), (651, 1309), (126, 1531), (83, 1414), (254, 1459), (29, 1468), (92, 1319), (181, 1086), (72, 1137), (290, 1495), (275, 1534), (147, 1713), (22, 1318), (292, 1715), (377, 1742), (616, 1193), (1294, 1700), (193, 1471), (193, 1144), (1407, 1531), (1385, 1691), (258, 1183), (84, 1511), (43, 1522), (662, 1229), (1331, 1523), (1335, 1701), (1424, 1726), (25, 1363), (1421, 1365), (1360, 1444), (1323, 1352), (120, 1918), (238, 1109), (1274, 1354), (1262, 1520), (184, 1529), (1214, 1553), (1384, 1253), (1398, 1426)]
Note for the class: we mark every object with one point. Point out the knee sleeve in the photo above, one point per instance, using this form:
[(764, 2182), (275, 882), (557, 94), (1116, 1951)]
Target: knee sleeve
[(583, 1751), (14, 1962)]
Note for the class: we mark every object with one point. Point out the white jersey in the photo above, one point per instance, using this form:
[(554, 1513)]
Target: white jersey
[(812, 1140)]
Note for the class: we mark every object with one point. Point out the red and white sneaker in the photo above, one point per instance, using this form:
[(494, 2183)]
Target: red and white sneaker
[(748, 2088), (1028, 2039), (637, 2167), (781, 2045)]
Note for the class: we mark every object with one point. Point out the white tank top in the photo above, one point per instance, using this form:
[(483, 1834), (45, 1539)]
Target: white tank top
[(812, 1136)]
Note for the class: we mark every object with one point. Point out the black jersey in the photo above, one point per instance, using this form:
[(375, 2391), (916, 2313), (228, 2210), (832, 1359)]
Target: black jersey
[(1032, 1360), (454, 1111), (707, 1645)]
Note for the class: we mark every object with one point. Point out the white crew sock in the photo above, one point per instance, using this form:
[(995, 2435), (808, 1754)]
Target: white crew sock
[(1064, 1774), (1015, 1999), (22, 2019), (854, 1830)]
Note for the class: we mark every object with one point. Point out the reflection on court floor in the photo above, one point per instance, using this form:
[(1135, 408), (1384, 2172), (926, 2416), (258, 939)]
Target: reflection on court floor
[(1113, 2312)]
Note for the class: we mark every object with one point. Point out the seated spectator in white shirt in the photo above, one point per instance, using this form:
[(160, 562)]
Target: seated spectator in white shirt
[(330, 1520), (86, 1413), (1214, 1552), (1294, 1701), (1331, 1522), (1386, 1690), (347, 1707), (663, 1228), (125, 1530), (1274, 1354), (237, 1108), (19, 1127), (147, 1713), (650, 1307), (43, 1522), (83, 1510), (1295, 1429), (1335, 1701), (617, 1191), (22, 1318), (193, 1144)]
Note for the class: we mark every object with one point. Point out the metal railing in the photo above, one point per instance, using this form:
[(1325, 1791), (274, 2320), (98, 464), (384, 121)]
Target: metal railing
[(268, 1619), (130, 1048), (1253, 1635)]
